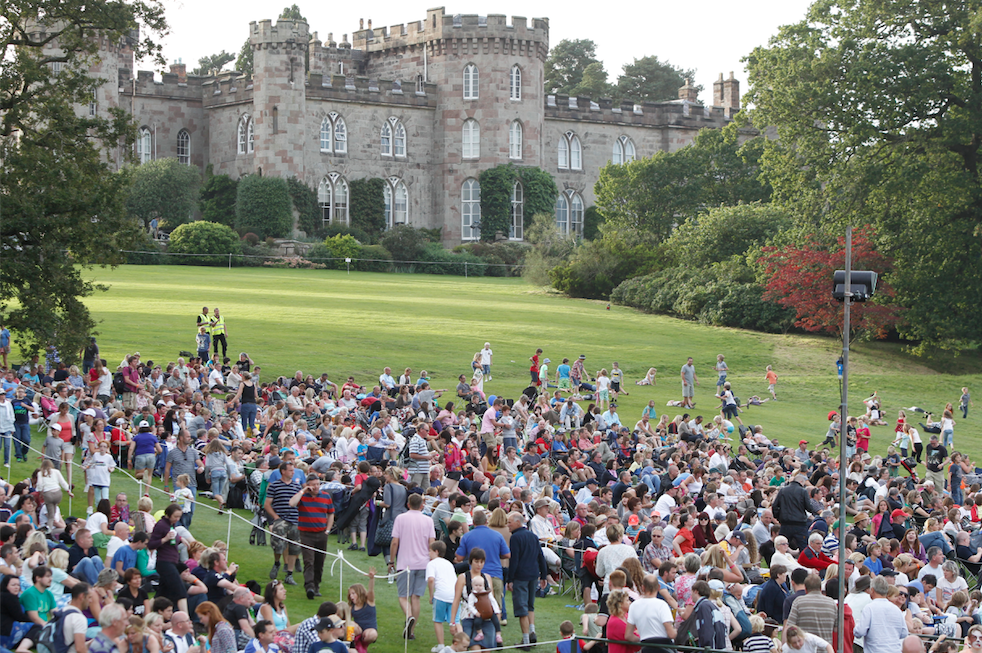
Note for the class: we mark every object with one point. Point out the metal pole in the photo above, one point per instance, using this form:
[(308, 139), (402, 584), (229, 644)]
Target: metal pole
[(228, 538), (843, 431), (230, 260)]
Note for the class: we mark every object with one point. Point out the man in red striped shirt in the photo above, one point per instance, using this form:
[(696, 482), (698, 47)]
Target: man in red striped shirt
[(316, 516)]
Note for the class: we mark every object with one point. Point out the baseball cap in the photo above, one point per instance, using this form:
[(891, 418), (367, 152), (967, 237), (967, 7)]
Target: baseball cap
[(740, 535), (633, 520), (89, 411), (716, 584), (144, 424), (591, 481), (582, 356), (898, 513), (802, 442), (56, 427)]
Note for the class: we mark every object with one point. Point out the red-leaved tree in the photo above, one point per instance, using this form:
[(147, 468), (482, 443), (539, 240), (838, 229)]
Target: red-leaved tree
[(800, 277)]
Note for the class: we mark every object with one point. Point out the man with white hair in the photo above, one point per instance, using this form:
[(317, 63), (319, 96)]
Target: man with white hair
[(762, 529), (812, 556), (881, 624), (112, 638)]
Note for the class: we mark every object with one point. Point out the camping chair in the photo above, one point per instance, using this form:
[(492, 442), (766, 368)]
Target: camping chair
[(971, 571)]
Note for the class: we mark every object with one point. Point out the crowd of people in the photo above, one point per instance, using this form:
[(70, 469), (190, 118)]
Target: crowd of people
[(692, 529)]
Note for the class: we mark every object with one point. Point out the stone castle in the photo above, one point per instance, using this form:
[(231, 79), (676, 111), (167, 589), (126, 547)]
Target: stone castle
[(426, 106)]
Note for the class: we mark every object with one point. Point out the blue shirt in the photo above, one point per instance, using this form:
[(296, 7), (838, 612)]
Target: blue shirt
[(298, 476), (563, 371), (876, 566), (126, 555), (493, 544)]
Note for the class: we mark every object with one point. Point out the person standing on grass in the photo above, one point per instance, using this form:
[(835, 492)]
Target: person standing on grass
[(164, 540), (441, 580), (131, 379), (284, 519), (316, 513), (534, 367), (527, 572), (412, 534), (689, 381), (486, 357), (965, 402), (6, 426), (184, 459)]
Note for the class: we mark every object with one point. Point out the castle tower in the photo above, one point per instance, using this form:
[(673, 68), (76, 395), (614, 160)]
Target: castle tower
[(279, 96)]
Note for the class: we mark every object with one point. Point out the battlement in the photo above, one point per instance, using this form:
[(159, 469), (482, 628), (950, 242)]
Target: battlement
[(438, 25), (290, 33), (229, 87), (171, 85), (679, 113), (370, 90)]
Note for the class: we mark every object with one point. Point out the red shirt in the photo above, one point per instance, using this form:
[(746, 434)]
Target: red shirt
[(848, 625), (688, 545), (808, 558)]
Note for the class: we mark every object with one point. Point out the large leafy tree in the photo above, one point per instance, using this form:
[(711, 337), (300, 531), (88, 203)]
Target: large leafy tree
[(594, 83), (877, 105), (63, 205), (166, 190), (649, 80), (567, 62), (647, 198), (213, 62)]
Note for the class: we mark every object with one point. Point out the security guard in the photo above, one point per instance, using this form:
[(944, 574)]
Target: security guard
[(204, 320), (218, 332)]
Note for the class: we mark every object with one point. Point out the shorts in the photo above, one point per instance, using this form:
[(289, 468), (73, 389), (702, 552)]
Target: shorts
[(67, 447), (411, 583), (130, 400), (729, 411), (282, 531), (688, 390), (770, 387), (486, 369), (145, 461), (604, 395), (491, 440), (721, 380), (523, 596), (615, 386), (441, 611), (360, 523), (565, 384)]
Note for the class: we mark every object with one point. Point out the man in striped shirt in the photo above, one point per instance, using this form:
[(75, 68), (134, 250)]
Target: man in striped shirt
[(316, 513), (283, 521)]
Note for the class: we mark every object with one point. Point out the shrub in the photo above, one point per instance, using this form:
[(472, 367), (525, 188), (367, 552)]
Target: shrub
[(255, 255), (374, 258), (549, 249), (163, 189), (147, 251), (335, 229), (725, 231), (599, 266), (592, 219), (507, 257), (251, 238), (341, 247), (443, 261), (263, 206), (217, 198), (204, 238), (403, 242)]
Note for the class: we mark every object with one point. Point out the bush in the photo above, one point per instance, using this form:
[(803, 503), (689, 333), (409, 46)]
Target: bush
[(251, 238), (255, 255), (341, 247), (163, 189), (592, 220), (217, 199), (304, 200), (378, 259), (204, 238), (599, 266), (403, 242), (334, 229), (147, 250), (367, 207), (726, 231), (507, 257), (263, 206), (443, 261)]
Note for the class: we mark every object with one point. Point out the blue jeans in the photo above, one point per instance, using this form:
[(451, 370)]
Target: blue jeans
[(247, 413), (100, 492), (487, 369), (89, 568), (22, 435), (956, 495), (653, 481), (189, 513), (486, 627), (219, 480), (947, 438), (6, 437)]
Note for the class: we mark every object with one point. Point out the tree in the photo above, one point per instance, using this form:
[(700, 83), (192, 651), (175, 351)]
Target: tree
[(163, 189), (263, 206), (367, 206), (217, 199), (63, 205), (213, 62), (549, 248), (567, 62), (594, 83), (292, 13), (244, 63), (651, 80), (800, 278), (877, 109), (726, 231)]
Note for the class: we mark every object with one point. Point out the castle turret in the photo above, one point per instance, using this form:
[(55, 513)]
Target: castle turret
[(279, 96)]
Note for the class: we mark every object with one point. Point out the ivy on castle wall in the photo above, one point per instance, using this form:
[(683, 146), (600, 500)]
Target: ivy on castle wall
[(263, 207), (367, 206), (539, 194), (305, 203)]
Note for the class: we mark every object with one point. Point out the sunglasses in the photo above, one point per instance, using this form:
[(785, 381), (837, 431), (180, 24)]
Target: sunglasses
[(905, 595)]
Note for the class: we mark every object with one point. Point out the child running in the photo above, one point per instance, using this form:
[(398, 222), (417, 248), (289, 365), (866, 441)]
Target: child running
[(771, 377)]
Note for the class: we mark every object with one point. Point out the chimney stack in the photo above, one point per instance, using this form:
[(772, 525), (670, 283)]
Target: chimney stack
[(731, 93), (689, 92), (181, 70), (718, 91)]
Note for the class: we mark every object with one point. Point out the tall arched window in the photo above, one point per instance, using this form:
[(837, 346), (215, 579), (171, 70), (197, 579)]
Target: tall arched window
[(570, 152), (515, 140), (515, 83), (332, 197), (250, 136), (517, 230), (386, 139), (470, 210), (393, 138), (334, 134), (399, 142), (144, 145), (471, 140), (470, 82), (569, 213), (623, 151), (184, 147), (396, 202), (245, 135)]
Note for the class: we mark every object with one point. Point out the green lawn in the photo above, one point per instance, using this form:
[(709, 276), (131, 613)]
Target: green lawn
[(328, 321)]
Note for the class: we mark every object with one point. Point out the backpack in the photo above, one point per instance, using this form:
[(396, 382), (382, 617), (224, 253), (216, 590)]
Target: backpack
[(119, 385), (52, 637), (483, 605)]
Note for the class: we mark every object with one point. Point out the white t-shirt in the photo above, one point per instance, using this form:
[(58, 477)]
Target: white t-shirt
[(96, 521), (649, 616), (444, 579), (75, 622), (486, 356), (105, 383), (812, 644), (215, 378), (665, 505), (99, 467), (947, 588)]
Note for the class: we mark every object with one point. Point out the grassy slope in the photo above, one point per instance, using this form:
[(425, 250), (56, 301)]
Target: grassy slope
[(319, 321)]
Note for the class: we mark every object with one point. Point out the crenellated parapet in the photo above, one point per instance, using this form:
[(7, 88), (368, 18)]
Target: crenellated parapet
[(374, 91), (170, 85), (283, 34), (681, 113)]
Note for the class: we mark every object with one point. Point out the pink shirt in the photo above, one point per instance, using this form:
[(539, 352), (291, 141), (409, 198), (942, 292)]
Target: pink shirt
[(487, 422), (415, 532)]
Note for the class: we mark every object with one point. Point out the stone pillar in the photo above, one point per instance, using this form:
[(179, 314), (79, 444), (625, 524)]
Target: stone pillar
[(731, 92), (181, 70)]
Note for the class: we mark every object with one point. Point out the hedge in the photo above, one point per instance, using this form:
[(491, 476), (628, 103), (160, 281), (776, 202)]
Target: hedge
[(264, 207)]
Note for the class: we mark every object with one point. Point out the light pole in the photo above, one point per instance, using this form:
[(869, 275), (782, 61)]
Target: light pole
[(847, 286)]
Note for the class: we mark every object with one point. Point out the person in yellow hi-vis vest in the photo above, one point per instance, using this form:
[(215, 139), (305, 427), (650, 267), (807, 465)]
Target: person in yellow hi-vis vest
[(204, 320), (218, 331)]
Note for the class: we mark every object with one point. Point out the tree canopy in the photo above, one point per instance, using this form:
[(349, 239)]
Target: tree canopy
[(877, 107), (649, 80), (63, 205), (164, 189), (213, 62), (567, 62)]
